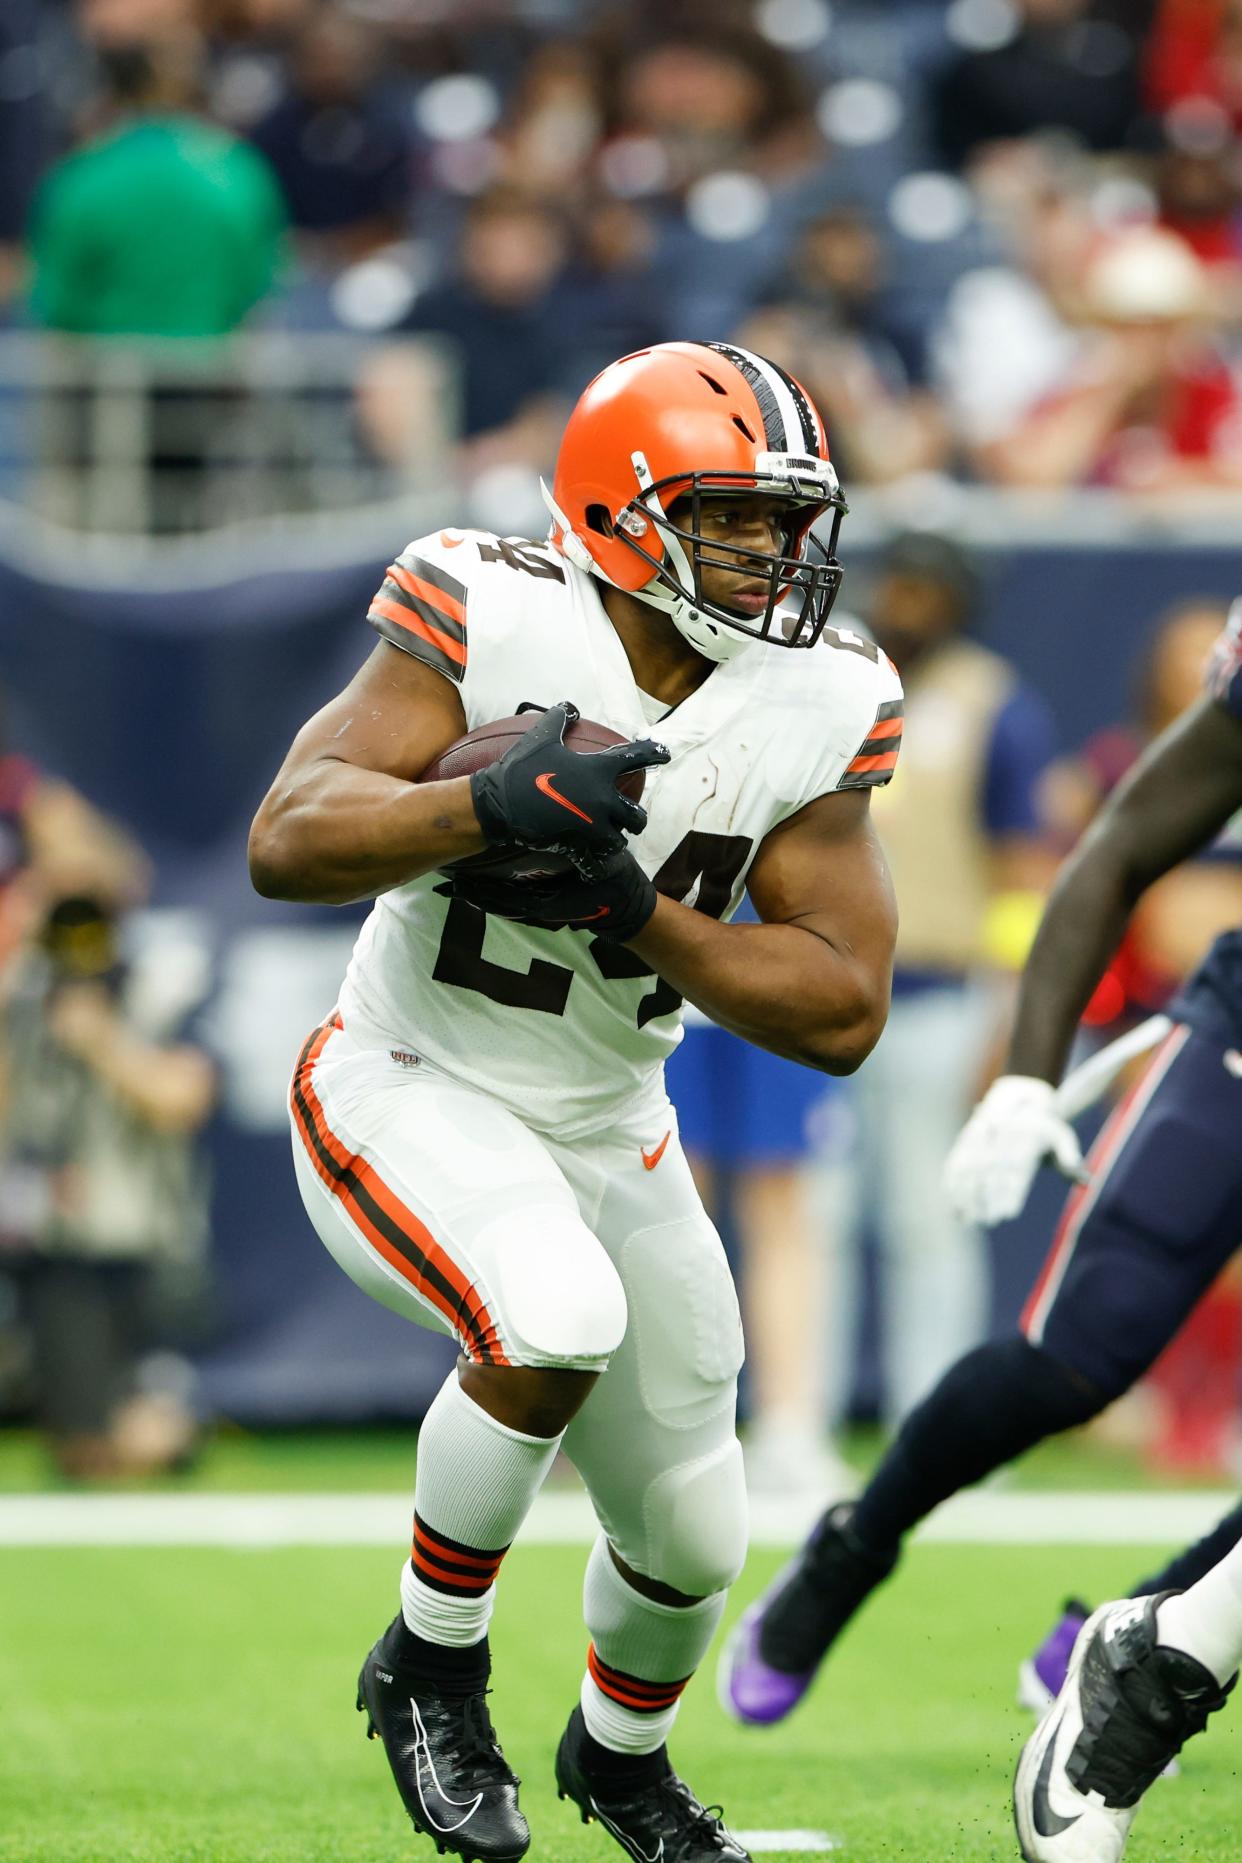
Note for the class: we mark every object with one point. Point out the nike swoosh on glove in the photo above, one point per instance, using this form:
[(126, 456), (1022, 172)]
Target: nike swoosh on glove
[(544, 794), (614, 902), (990, 1170)]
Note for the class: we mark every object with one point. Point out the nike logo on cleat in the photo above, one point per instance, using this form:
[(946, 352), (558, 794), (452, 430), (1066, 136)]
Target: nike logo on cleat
[(1048, 1822), (545, 784), (652, 1158), (423, 1764), (627, 1842)]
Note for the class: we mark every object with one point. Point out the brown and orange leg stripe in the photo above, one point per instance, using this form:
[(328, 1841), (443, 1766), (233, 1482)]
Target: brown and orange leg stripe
[(391, 1228), (446, 1565), (630, 1691)]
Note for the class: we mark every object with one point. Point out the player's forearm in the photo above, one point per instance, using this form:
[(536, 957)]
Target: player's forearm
[(336, 833), (1081, 928), (782, 987)]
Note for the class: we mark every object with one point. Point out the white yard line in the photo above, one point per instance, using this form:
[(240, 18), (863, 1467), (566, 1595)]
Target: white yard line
[(818, 1843), (564, 1517)]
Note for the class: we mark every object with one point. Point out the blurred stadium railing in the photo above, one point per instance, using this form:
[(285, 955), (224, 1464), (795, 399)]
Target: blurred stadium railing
[(139, 439)]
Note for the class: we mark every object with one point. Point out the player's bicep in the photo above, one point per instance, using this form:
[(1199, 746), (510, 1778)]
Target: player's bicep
[(395, 717), (824, 869), (1178, 796)]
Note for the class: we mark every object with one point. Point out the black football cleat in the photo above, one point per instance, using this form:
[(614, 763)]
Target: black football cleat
[(451, 1774), (772, 1656), (1127, 1705), (656, 1819)]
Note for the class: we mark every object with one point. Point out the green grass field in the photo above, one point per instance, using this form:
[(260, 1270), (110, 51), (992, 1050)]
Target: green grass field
[(195, 1706)]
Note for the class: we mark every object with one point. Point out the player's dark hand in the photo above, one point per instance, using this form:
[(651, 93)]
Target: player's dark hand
[(615, 902), (543, 794)]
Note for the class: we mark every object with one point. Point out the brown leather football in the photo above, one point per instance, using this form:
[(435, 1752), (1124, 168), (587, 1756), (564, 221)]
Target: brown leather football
[(479, 749)]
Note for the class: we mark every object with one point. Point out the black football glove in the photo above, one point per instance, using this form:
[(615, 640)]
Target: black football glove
[(543, 794), (614, 903)]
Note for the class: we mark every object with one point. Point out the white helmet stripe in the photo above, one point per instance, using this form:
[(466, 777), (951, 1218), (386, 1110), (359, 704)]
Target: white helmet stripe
[(774, 395)]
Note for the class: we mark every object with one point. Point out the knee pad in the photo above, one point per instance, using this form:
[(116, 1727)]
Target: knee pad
[(695, 1518), (560, 1300)]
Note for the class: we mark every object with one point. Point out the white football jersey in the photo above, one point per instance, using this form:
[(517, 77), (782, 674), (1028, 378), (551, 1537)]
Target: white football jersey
[(562, 1027)]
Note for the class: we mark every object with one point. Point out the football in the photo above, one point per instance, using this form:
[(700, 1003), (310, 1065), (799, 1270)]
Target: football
[(478, 749)]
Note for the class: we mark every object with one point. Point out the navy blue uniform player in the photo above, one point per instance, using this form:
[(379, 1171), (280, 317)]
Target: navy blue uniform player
[(1142, 1237)]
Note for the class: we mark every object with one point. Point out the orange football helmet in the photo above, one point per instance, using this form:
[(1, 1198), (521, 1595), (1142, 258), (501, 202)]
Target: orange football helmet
[(685, 421)]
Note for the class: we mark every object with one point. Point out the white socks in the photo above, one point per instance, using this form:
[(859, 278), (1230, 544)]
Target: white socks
[(642, 1655), (1206, 1621), (475, 1483)]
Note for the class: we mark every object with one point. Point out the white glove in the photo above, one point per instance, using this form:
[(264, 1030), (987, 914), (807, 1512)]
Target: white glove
[(1016, 1125)]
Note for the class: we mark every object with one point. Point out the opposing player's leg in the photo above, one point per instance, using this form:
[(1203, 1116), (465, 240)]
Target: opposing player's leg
[(443, 1206), (1133, 1252), (656, 1446), (1133, 1696)]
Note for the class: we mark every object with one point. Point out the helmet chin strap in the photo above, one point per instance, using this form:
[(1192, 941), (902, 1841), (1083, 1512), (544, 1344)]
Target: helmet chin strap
[(710, 638)]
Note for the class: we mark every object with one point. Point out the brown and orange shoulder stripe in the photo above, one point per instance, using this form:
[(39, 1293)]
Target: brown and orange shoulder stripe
[(876, 757), (422, 609)]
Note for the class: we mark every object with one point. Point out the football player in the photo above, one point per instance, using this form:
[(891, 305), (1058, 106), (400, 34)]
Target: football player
[(1157, 1214), (481, 1133)]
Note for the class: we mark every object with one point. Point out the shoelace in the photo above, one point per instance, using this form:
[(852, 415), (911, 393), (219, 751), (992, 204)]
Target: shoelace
[(476, 1748), (706, 1821)]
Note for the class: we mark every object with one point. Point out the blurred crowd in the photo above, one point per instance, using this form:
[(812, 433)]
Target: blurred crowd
[(998, 239), (103, 1192)]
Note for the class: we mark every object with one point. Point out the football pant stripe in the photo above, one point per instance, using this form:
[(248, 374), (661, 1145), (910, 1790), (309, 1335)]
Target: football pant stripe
[(885, 727), (891, 708), (1112, 1140), (389, 1226)]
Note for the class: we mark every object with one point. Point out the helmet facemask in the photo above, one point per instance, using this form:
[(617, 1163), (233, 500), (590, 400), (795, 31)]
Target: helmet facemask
[(802, 580)]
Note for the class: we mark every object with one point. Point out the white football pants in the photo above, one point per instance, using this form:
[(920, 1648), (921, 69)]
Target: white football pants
[(590, 1254)]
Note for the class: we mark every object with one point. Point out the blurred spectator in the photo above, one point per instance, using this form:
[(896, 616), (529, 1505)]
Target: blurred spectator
[(831, 322), (748, 1120), (1194, 52), (160, 226), (98, 1111), (1150, 403), (497, 314), (963, 831), (706, 92), (52, 841), (1008, 332), (1200, 195), (1064, 68), (607, 303), (339, 141)]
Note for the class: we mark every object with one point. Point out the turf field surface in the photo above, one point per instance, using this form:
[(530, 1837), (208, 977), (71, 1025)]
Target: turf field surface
[(195, 1705)]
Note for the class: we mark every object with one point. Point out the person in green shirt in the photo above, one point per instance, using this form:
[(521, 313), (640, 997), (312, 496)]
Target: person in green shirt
[(164, 225)]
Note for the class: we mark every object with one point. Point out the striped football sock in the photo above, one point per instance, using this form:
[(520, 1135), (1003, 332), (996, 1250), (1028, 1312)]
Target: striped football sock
[(642, 1655), (475, 1484)]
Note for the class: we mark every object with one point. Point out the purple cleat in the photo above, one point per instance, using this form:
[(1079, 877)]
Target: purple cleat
[(770, 1660), (1042, 1676), (750, 1689)]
